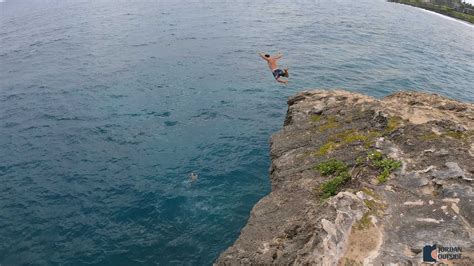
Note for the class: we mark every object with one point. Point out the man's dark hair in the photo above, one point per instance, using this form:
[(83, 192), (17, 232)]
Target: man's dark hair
[(267, 55)]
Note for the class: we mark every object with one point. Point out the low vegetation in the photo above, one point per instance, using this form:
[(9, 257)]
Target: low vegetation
[(326, 148), (376, 207), (382, 163), (429, 136), (315, 118), (340, 175), (371, 193), (350, 137), (457, 135), (393, 123), (364, 223), (331, 167), (362, 140), (330, 123), (347, 138)]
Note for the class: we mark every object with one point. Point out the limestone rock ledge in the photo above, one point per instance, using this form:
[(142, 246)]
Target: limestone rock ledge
[(372, 218)]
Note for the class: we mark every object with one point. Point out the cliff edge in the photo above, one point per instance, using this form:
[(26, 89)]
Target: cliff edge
[(361, 181)]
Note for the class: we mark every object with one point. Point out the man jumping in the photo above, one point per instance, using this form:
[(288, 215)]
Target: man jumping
[(272, 64)]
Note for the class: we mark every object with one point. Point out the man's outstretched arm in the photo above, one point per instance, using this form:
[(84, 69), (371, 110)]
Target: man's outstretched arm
[(262, 55), (278, 56)]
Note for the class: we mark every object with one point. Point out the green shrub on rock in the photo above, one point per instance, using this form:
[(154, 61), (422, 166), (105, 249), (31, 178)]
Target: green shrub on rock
[(384, 164), (339, 170), (332, 186), (331, 167)]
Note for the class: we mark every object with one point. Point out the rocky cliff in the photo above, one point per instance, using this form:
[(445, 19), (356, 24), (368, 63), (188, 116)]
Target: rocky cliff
[(361, 181)]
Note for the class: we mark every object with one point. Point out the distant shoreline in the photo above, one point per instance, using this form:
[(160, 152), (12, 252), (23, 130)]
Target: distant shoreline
[(443, 10), (467, 23)]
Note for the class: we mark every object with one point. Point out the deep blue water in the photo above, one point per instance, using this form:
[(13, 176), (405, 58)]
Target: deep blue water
[(107, 106)]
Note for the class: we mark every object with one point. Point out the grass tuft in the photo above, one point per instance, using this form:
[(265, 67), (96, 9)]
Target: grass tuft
[(370, 192), (429, 136), (455, 134), (346, 138), (350, 136), (365, 222), (330, 123), (376, 208), (458, 135), (394, 123), (315, 118), (326, 148)]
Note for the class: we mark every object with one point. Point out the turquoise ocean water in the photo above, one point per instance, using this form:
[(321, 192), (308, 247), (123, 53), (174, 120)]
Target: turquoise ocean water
[(107, 106)]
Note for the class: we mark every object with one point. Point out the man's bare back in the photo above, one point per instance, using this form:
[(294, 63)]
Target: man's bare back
[(273, 65)]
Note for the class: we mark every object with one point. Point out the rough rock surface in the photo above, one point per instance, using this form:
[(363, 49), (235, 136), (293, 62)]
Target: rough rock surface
[(370, 220)]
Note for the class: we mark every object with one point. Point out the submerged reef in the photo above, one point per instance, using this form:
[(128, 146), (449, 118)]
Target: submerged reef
[(362, 181)]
